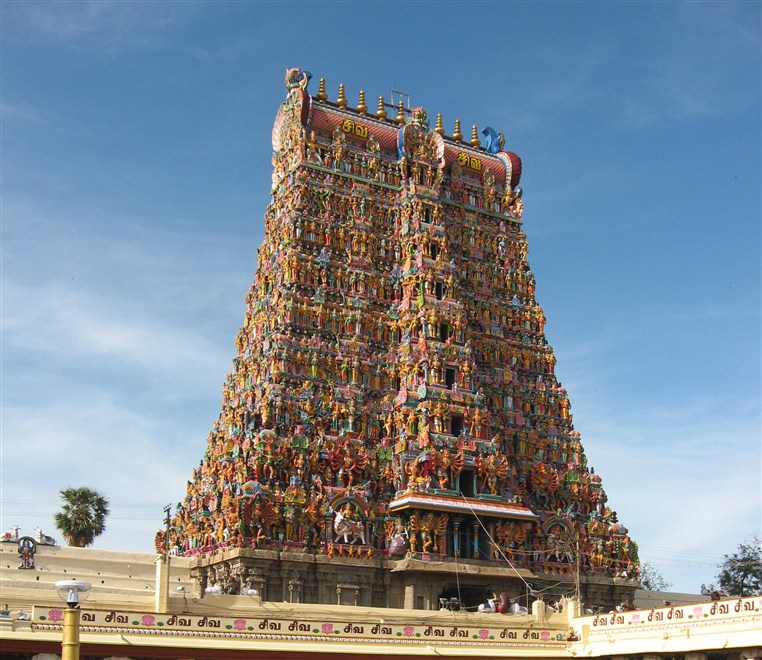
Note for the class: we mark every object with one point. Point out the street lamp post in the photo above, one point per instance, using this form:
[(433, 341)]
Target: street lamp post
[(72, 592)]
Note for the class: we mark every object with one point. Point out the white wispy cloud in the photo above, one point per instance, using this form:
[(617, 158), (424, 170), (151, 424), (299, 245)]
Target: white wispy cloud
[(92, 327), (683, 474), (679, 81), (138, 460), (103, 26), (112, 366), (117, 27), (19, 113)]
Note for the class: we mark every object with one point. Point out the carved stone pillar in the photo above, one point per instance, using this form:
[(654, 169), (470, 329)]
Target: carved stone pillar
[(256, 579), (409, 596)]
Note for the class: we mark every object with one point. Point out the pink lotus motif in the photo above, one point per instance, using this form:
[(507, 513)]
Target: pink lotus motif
[(636, 618), (408, 631), (239, 624), (148, 620), (484, 633), (697, 612), (544, 635), (327, 628), (55, 615)]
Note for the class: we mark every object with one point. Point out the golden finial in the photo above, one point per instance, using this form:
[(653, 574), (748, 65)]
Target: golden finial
[(342, 100), (381, 112), (361, 107), (439, 128), (321, 95), (400, 118), (475, 137), (457, 135)]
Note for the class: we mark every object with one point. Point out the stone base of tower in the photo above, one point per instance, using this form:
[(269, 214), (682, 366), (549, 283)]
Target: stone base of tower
[(421, 582)]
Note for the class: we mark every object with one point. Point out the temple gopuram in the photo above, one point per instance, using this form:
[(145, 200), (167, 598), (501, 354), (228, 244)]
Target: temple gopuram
[(392, 433)]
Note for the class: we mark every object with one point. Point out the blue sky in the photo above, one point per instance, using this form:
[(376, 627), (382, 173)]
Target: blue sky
[(135, 173)]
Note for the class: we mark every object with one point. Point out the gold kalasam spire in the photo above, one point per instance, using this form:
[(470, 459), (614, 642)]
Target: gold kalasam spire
[(381, 112), (342, 100), (475, 137), (321, 95), (361, 107), (439, 128), (457, 135), (400, 118)]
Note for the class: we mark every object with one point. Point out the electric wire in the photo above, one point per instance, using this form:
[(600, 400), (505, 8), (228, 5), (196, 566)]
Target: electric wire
[(489, 536)]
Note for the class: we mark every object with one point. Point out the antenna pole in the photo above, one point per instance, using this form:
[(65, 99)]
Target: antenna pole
[(162, 569), (167, 511), (577, 583)]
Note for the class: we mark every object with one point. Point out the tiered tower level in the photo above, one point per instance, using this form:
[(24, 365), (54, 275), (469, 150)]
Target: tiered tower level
[(393, 399)]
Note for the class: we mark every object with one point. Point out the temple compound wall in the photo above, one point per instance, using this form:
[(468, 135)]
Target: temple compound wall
[(392, 431), (125, 618)]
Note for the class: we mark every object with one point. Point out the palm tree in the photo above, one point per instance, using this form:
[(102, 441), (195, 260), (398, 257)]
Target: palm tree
[(83, 516)]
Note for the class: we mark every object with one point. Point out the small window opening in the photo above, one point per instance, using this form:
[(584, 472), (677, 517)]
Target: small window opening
[(449, 377), (456, 425), (466, 483), (439, 290)]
